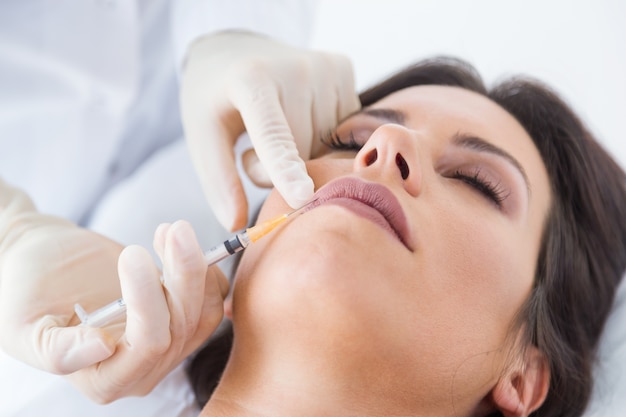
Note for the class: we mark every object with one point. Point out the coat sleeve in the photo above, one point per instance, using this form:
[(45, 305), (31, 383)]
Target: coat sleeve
[(287, 21)]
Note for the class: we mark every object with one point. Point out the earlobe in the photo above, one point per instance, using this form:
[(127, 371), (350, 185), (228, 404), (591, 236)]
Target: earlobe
[(524, 388)]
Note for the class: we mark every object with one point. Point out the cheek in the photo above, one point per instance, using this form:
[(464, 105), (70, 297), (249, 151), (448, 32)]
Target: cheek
[(327, 268), (279, 254), (325, 251), (484, 274)]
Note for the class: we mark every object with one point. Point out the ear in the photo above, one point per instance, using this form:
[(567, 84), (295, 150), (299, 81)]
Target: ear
[(524, 387)]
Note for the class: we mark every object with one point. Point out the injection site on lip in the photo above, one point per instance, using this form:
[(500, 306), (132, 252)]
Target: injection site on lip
[(372, 201)]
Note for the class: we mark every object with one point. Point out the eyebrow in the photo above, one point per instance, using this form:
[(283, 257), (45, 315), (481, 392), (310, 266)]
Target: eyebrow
[(388, 115), (478, 144)]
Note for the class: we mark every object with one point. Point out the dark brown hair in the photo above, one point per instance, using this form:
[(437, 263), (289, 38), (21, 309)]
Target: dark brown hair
[(583, 253)]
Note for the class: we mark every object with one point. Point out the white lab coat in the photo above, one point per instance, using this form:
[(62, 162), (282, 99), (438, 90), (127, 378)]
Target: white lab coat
[(90, 129), (88, 87)]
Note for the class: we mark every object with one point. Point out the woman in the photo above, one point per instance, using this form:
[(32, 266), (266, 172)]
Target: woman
[(460, 258)]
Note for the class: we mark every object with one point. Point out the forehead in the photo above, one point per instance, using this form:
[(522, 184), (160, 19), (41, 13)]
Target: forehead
[(448, 104)]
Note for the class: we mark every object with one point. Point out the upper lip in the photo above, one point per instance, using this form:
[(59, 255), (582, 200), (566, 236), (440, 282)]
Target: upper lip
[(375, 195)]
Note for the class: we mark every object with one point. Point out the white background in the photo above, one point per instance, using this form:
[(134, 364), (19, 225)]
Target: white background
[(576, 46)]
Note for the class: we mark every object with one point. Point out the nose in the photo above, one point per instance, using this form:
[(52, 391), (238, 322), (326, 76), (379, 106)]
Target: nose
[(392, 152)]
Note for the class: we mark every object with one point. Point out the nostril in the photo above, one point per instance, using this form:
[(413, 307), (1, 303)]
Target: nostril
[(371, 157), (402, 166)]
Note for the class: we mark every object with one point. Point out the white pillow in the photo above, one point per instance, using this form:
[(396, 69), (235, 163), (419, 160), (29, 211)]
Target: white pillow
[(609, 394)]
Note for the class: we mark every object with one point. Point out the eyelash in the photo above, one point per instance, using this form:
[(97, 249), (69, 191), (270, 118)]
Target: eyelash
[(333, 141), (494, 192)]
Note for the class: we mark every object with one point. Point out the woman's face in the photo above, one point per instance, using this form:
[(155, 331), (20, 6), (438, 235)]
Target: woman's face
[(408, 269)]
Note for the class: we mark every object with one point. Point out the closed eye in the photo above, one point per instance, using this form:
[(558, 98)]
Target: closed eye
[(492, 191), (333, 141)]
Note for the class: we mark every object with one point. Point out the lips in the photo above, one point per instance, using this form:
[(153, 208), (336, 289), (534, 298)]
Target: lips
[(373, 201)]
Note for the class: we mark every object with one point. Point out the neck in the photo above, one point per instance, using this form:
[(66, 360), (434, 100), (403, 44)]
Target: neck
[(254, 388), (264, 385)]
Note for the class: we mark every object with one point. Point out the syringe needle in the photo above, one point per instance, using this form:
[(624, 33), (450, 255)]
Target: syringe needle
[(258, 231)]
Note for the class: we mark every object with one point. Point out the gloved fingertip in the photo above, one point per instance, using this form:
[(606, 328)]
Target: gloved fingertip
[(161, 231), (231, 208), (158, 242), (134, 260), (185, 237), (291, 179), (299, 193), (230, 219)]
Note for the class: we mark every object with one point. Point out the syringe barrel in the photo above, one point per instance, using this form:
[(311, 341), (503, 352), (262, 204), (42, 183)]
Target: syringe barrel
[(117, 308), (106, 314)]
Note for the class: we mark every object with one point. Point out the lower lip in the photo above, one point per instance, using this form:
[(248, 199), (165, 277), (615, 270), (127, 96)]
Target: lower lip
[(365, 211)]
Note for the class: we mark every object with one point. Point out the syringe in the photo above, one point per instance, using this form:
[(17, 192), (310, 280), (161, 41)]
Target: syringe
[(237, 243)]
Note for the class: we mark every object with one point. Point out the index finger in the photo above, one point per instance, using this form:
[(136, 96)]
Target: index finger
[(147, 334), (273, 141)]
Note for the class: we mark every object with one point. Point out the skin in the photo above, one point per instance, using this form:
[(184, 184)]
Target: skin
[(333, 315)]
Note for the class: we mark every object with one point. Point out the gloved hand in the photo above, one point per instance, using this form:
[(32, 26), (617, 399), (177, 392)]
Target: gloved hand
[(285, 98), (48, 264)]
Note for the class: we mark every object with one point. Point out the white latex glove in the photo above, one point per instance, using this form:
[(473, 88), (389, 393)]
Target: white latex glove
[(48, 264), (286, 98)]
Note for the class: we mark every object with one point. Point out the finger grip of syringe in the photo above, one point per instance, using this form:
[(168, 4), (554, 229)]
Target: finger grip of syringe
[(103, 315), (117, 308), (229, 247)]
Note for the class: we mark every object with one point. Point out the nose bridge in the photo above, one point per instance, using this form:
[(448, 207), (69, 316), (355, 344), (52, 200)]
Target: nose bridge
[(393, 151)]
